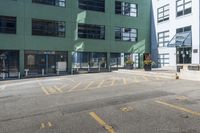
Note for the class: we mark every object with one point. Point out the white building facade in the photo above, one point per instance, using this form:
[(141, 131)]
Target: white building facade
[(175, 32)]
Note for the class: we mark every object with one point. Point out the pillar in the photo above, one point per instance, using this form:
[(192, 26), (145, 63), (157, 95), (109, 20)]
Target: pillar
[(21, 62), (108, 61), (69, 63)]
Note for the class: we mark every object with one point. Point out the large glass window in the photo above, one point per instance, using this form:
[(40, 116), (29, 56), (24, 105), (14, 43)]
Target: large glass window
[(8, 24), (60, 3), (91, 31), (163, 13), (9, 63), (94, 5), (183, 7), (183, 29), (125, 8), (45, 62), (48, 28), (86, 60), (163, 59), (126, 34), (163, 38)]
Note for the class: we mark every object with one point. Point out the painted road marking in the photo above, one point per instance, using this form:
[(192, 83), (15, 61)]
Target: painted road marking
[(101, 83), (126, 109), (58, 89), (113, 82), (3, 87), (46, 125), (75, 87), (182, 98), (135, 79), (102, 123), (45, 91), (124, 81), (88, 86), (145, 78), (157, 78), (179, 108)]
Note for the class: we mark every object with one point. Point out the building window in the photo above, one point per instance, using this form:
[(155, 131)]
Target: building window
[(125, 8), (93, 5), (183, 29), (48, 28), (163, 38), (60, 3), (91, 31), (126, 34), (8, 24), (183, 7), (163, 13), (163, 59)]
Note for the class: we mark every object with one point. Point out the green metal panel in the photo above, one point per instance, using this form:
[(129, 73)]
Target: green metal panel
[(25, 10)]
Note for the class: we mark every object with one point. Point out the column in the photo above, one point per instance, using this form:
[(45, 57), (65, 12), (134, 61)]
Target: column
[(69, 62), (21, 62), (108, 61)]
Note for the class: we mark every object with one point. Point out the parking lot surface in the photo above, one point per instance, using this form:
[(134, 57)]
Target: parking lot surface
[(100, 103)]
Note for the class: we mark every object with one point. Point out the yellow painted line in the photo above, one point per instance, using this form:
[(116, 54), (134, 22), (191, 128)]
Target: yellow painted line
[(88, 86), (58, 89), (135, 79), (64, 85), (102, 123), (145, 78), (157, 78), (182, 98), (113, 82), (74, 87), (179, 108), (52, 90), (49, 124), (124, 81), (101, 83), (42, 125), (45, 91)]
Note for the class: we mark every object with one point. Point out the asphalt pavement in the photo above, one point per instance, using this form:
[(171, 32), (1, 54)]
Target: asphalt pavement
[(100, 103)]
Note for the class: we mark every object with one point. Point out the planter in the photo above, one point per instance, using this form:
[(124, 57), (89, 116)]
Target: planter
[(129, 66), (147, 67)]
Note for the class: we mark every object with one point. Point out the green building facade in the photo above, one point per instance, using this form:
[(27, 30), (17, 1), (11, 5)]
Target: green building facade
[(44, 37)]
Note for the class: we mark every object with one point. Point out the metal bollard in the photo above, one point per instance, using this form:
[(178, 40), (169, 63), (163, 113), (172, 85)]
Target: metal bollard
[(3, 75), (58, 72), (88, 68), (99, 68), (42, 72), (19, 75)]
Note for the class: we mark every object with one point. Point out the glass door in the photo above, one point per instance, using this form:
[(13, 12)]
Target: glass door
[(184, 55), (51, 64)]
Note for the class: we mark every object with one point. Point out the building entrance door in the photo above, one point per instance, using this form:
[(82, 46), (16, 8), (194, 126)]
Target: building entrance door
[(184, 55), (51, 65)]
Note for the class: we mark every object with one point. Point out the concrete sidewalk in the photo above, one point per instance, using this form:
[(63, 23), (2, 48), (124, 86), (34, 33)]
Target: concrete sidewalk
[(156, 72)]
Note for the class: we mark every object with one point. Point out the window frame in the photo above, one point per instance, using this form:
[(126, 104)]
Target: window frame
[(123, 8), (165, 38), (184, 9), (84, 29), (122, 31), (48, 24), (82, 4), (9, 20), (164, 17), (46, 2)]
